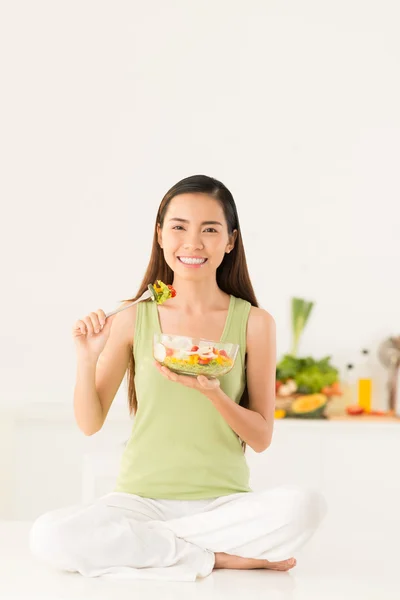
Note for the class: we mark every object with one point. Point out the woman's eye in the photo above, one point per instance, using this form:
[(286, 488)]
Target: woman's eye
[(208, 228)]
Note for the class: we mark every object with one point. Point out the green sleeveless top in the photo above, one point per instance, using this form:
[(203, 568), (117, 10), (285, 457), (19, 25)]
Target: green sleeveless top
[(181, 448)]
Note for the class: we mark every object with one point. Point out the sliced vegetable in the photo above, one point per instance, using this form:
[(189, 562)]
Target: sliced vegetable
[(160, 352), (204, 361), (205, 350), (310, 406)]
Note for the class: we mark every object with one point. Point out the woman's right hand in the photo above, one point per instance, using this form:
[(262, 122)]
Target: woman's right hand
[(91, 333)]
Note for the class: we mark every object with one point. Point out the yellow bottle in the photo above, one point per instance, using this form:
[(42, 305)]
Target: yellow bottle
[(365, 384), (364, 394)]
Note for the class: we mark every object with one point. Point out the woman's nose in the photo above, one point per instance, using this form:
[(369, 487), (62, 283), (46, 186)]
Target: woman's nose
[(193, 244)]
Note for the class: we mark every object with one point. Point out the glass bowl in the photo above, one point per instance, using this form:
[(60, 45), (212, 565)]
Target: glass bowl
[(194, 356)]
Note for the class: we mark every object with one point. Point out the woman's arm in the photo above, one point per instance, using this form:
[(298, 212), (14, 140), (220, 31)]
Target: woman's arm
[(254, 425), (98, 379)]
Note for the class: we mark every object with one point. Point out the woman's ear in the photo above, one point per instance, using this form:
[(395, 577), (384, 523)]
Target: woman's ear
[(232, 240), (159, 236)]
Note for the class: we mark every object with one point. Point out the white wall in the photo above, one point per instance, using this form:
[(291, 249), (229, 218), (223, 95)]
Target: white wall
[(46, 463), (293, 105)]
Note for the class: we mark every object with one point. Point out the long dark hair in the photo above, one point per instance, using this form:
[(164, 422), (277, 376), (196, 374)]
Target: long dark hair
[(232, 274)]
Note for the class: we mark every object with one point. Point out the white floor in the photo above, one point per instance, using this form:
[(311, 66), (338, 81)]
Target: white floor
[(328, 568)]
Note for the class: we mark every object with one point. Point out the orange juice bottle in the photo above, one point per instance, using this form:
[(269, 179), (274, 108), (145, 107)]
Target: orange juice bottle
[(365, 383)]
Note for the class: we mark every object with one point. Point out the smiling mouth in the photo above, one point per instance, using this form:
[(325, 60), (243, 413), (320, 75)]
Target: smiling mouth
[(186, 260)]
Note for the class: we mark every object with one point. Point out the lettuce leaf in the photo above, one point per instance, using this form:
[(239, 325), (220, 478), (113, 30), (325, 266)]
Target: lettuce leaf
[(310, 375)]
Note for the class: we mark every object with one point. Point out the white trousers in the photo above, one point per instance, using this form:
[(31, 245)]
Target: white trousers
[(127, 536)]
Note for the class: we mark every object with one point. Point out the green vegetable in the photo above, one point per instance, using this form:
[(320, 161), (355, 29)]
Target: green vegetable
[(314, 380), (288, 367), (301, 310), (310, 375), (164, 294)]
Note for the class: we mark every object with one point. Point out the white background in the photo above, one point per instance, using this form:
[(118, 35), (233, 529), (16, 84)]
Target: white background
[(104, 106), (293, 105)]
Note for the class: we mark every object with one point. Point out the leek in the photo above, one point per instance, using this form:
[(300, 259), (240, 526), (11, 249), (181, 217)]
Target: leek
[(301, 310)]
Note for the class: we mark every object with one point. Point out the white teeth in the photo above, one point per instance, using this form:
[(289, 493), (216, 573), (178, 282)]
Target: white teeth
[(193, 261)]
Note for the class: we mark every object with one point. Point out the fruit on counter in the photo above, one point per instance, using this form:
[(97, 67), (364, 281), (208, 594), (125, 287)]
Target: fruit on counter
[(309, 406), (286, 389), (161, 291), (354, 409), (280, 413), (332, 390)]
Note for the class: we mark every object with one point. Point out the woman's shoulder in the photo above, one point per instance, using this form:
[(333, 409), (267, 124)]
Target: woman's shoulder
[(256, 314), (260, 322), (260, 313)]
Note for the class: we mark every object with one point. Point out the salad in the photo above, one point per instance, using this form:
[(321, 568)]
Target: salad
[(192, 360), (161, 292)]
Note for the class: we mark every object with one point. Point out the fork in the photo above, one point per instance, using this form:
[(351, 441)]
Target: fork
[(149, 293)]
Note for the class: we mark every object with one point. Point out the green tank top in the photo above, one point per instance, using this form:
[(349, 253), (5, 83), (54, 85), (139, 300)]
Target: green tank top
[(181, 448)]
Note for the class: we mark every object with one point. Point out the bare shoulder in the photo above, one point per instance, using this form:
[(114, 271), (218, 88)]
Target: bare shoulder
[(259, 315), (260, 324)]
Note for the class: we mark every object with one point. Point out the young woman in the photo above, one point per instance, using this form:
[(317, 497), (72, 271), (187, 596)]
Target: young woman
[(182, 505)]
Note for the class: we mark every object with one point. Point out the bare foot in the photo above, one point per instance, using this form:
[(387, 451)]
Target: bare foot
[(282, 565), (230, 561)]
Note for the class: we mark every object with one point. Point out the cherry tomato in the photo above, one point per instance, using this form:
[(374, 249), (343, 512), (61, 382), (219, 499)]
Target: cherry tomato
[(204, 361), (354, 410), (173, 291), (169, 351), (223, 353), (194, 349)]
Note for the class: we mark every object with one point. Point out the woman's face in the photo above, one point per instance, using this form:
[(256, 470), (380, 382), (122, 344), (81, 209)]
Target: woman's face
[(195, 228)]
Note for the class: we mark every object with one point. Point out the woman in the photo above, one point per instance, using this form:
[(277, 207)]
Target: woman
[(182, 505)]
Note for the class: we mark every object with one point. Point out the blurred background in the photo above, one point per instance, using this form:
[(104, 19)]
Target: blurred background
[(294, 106)]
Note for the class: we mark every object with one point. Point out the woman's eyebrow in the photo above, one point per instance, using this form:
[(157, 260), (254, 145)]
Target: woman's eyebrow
[(203, 223)]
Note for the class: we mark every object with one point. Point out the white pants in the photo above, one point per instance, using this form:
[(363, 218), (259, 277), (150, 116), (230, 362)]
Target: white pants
[(124, 535)]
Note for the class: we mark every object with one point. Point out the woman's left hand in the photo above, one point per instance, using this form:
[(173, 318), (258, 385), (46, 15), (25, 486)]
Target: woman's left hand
[(200, 383)]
